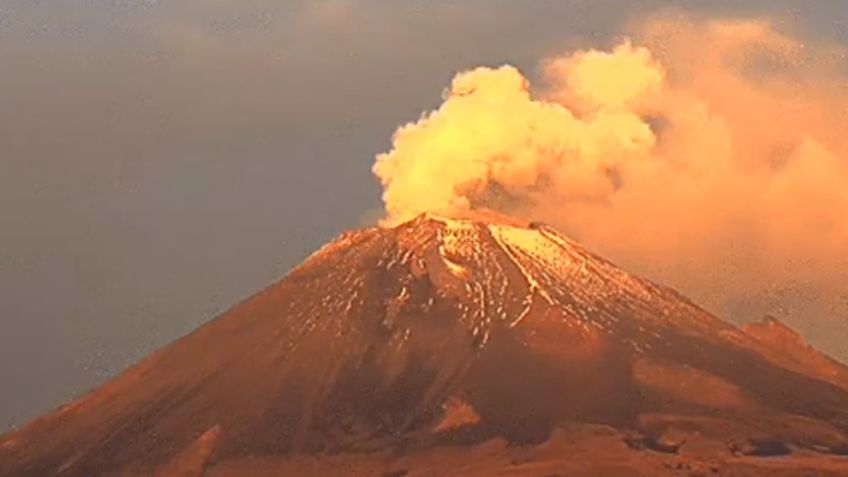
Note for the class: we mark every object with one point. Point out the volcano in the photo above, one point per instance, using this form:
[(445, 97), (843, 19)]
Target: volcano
[(457, 347)]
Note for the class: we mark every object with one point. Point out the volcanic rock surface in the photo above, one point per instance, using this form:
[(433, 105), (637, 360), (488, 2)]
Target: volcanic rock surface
[(457, 347)]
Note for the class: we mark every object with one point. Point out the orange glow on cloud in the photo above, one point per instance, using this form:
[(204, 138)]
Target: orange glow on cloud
[(708, 154)]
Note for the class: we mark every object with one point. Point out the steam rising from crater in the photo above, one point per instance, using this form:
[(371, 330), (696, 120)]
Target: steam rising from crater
[(491, 133), (712, 155)]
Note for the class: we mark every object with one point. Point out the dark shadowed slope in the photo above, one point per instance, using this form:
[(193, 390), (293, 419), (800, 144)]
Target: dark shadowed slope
[(378, 338)]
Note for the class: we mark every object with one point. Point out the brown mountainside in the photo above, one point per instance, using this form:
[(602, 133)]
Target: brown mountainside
[(398, 351)]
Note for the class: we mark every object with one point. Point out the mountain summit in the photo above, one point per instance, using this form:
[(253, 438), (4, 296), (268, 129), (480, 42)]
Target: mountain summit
[(390, 349)]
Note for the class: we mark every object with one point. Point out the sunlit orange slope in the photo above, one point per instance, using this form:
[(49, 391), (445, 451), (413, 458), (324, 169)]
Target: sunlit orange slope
[(394, 349)]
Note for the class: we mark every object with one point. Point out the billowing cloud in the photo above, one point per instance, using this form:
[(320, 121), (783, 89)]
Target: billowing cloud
[(709, 154)]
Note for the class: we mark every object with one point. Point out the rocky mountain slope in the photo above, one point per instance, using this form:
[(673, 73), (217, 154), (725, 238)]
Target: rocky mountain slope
[(408, 351)]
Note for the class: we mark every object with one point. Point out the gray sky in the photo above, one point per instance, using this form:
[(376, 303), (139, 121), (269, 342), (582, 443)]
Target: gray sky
[(163, 159)]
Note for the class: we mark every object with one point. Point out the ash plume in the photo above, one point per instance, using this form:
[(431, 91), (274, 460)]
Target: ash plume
[(707, 153)]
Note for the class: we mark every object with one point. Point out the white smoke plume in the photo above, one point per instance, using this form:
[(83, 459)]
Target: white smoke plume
[(711, 155)]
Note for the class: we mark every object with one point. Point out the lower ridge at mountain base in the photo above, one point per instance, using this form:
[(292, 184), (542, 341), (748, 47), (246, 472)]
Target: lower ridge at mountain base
[(575, 451)]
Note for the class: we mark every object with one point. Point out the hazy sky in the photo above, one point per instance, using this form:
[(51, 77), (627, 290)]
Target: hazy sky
[(162, 159)]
